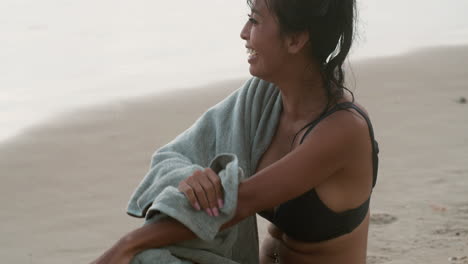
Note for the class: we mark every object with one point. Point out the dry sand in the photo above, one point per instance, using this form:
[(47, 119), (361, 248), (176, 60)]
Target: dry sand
[(65, 184)]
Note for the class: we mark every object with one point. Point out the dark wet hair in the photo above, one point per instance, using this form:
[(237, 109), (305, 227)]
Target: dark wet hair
[(331, 25)]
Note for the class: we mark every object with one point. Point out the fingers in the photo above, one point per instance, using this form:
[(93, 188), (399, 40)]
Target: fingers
[(204, 191), (210, 192), (216, 182), (201, 193), (190, 194)]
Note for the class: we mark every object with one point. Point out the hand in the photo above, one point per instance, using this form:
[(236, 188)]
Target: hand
[(204, 191)]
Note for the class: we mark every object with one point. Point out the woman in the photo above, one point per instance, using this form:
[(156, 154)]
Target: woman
[(315, 179)]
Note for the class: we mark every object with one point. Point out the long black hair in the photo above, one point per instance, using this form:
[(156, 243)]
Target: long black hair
[(331, 26)]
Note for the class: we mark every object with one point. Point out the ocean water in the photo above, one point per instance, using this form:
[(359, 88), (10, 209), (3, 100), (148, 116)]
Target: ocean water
[(58, 55)]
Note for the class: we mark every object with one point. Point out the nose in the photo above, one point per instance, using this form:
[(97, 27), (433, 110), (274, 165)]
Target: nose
[(245, 32)]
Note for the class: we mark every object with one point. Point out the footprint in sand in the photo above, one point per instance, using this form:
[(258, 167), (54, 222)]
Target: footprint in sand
[(377, 259), (461, 100), (382, 219), (455, 229), (459, 260), (451, 231)]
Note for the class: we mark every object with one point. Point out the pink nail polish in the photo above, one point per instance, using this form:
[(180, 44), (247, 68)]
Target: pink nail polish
[(197, 206), (220, 203), (215, 211), (208, 211)]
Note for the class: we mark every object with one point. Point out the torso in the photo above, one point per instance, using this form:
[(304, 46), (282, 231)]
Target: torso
[(344, 190)]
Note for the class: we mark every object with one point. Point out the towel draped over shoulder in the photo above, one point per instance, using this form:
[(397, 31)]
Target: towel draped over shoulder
[(230, 139)]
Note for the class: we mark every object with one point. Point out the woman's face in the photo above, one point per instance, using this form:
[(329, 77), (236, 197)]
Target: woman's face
[(264, 43)]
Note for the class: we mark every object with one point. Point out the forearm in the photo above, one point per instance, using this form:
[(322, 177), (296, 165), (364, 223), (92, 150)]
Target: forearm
[(169, 231), (162, 233), (156, 235)]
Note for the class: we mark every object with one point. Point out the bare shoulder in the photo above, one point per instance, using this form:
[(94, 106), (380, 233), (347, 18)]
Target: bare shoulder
[(361, 107), (343, 127)]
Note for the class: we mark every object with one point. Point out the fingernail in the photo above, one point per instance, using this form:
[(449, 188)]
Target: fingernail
[(215, 211), (220, 203), (197, 206), (208, 211)]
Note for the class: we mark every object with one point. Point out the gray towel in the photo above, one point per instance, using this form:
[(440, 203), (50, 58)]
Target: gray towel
[(229, 138)]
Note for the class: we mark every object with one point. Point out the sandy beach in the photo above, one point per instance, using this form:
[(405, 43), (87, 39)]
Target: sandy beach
[(65, 184)]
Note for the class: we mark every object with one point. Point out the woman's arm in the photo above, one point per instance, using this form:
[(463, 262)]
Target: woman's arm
[(154, 235), (326, 151), (162, 233)]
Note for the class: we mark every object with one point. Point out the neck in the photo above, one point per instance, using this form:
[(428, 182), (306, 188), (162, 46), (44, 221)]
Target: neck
[(302, 93)]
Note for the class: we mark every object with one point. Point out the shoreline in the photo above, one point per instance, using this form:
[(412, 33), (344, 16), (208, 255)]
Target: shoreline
[(66, 183), (59, 117), (87, 110)]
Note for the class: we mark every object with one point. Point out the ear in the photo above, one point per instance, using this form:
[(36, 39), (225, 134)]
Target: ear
[(295, 42)]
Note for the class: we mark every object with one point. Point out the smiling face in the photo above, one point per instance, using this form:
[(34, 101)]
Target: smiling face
[(265, 46)]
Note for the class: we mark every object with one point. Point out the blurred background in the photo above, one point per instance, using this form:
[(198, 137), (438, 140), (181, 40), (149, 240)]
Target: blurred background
[(61, 55)]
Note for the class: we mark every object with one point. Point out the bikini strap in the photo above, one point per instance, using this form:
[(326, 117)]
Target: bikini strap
[(375, 145)]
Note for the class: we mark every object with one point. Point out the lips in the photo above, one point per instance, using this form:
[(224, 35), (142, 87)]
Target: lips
[(252, 54)]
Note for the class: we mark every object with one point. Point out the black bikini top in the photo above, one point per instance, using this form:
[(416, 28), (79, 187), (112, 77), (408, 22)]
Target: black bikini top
[(306, 218)]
